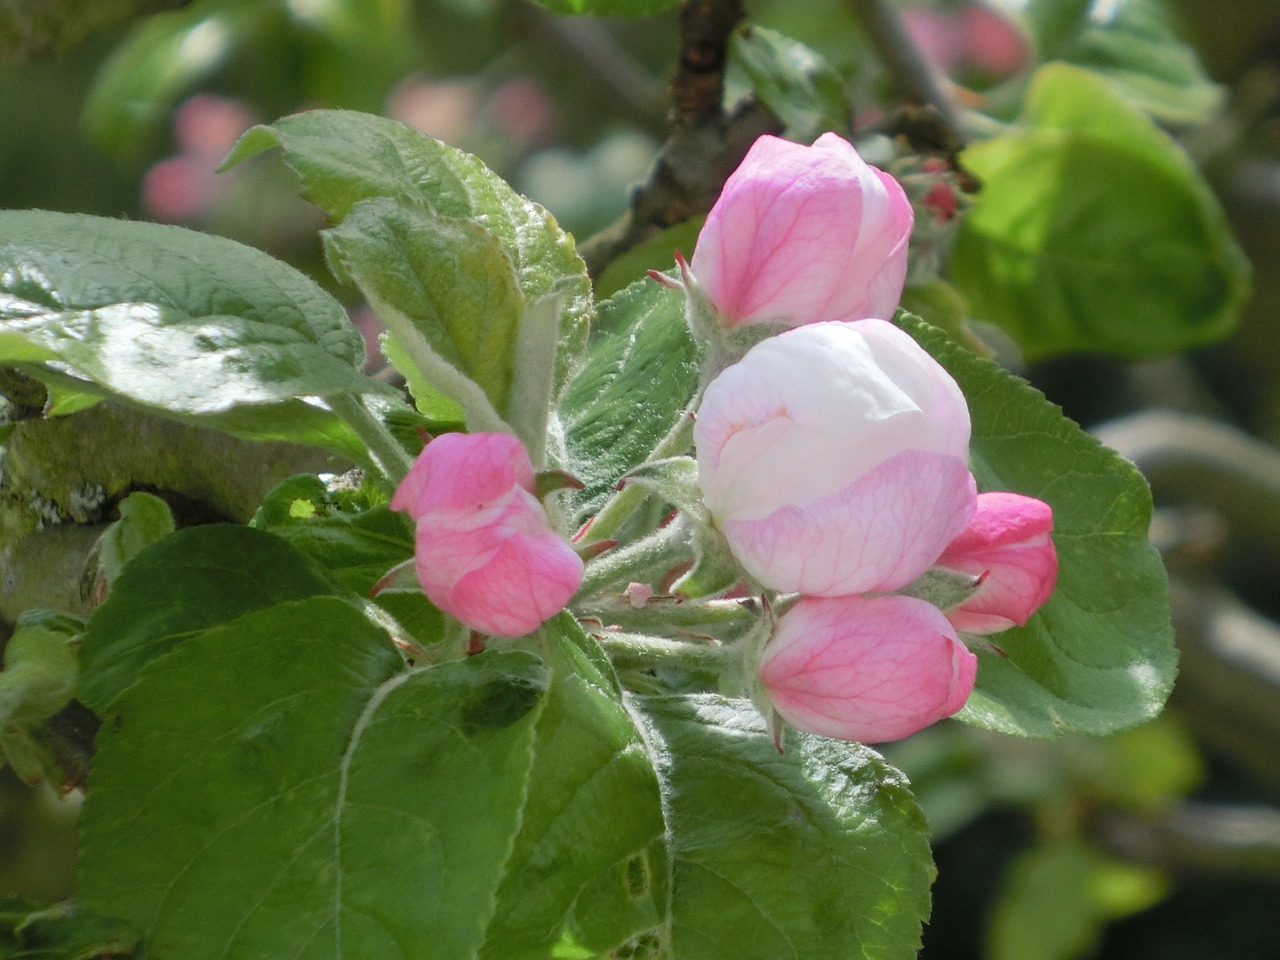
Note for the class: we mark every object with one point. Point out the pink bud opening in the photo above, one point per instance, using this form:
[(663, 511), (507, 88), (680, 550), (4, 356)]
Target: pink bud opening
[(485, 551), (804, 234), (1008, 545), (834, 458), (870, 669)]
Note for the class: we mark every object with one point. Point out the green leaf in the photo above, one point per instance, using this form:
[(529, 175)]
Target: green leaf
[(587, 869), (38, 679), (1093, 231), (40, 666), (1059, 897), (343, 158), (1099, 656), (447, 290), (282, 786), (180, 323), (812, 853), (355, 549), (158, 61), (793, 81), (196, 579), (639, 375), (63, 931), (1132, 43), (489, 804)]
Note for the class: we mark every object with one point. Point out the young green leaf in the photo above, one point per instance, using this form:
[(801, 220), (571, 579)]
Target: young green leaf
[(447, 291), (638, 377), (1099, 655), (1094, 231), (817, 852), (343, 158)]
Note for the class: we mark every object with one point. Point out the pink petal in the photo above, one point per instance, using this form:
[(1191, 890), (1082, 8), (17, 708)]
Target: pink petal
[(880, 533), (804, 234), (867, 669), (1008, 545)]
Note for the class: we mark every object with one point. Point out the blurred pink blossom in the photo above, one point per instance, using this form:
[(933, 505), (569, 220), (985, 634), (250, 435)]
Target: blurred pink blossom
[(834, 458), (870, 669), (485, 551), (804, 234), (1008, 546)]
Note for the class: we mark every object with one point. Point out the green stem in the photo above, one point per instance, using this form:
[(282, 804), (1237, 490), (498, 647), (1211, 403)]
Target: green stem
[(387, 454), (646, 559), (636, 647), (619, 508), (713, 617)]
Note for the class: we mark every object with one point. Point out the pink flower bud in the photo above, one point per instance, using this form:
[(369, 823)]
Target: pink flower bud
[(870, 669), (486, 553), (804, 234), (834, 458), (1007, 545)]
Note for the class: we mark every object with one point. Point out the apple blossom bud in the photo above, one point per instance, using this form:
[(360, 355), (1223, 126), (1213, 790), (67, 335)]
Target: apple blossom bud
[(834, 459), (1008, 548), (485, 551), (804, 234), (870, 669)]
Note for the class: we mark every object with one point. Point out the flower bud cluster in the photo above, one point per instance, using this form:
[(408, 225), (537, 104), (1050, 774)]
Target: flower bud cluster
[(833, 457)]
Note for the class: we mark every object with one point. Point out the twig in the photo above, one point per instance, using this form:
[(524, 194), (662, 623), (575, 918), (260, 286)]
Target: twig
[(705, 144), (914, 78), (1196, 839), (593, 49)]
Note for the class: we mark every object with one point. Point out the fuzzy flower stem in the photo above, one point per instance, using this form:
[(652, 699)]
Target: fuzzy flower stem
[(714, 617), (638, 648), (646, 558)]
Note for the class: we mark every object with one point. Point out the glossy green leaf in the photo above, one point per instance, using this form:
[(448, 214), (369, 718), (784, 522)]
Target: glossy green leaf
[(196, 579), (638, 377), (364, 810), (793, 81), (1093, 231), (343, 158), (1133, 44), (818, 852), (354, 548), (181, 323), (1099, 656)]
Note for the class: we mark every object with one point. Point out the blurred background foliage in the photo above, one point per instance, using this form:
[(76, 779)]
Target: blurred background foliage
[(1163, 842)]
